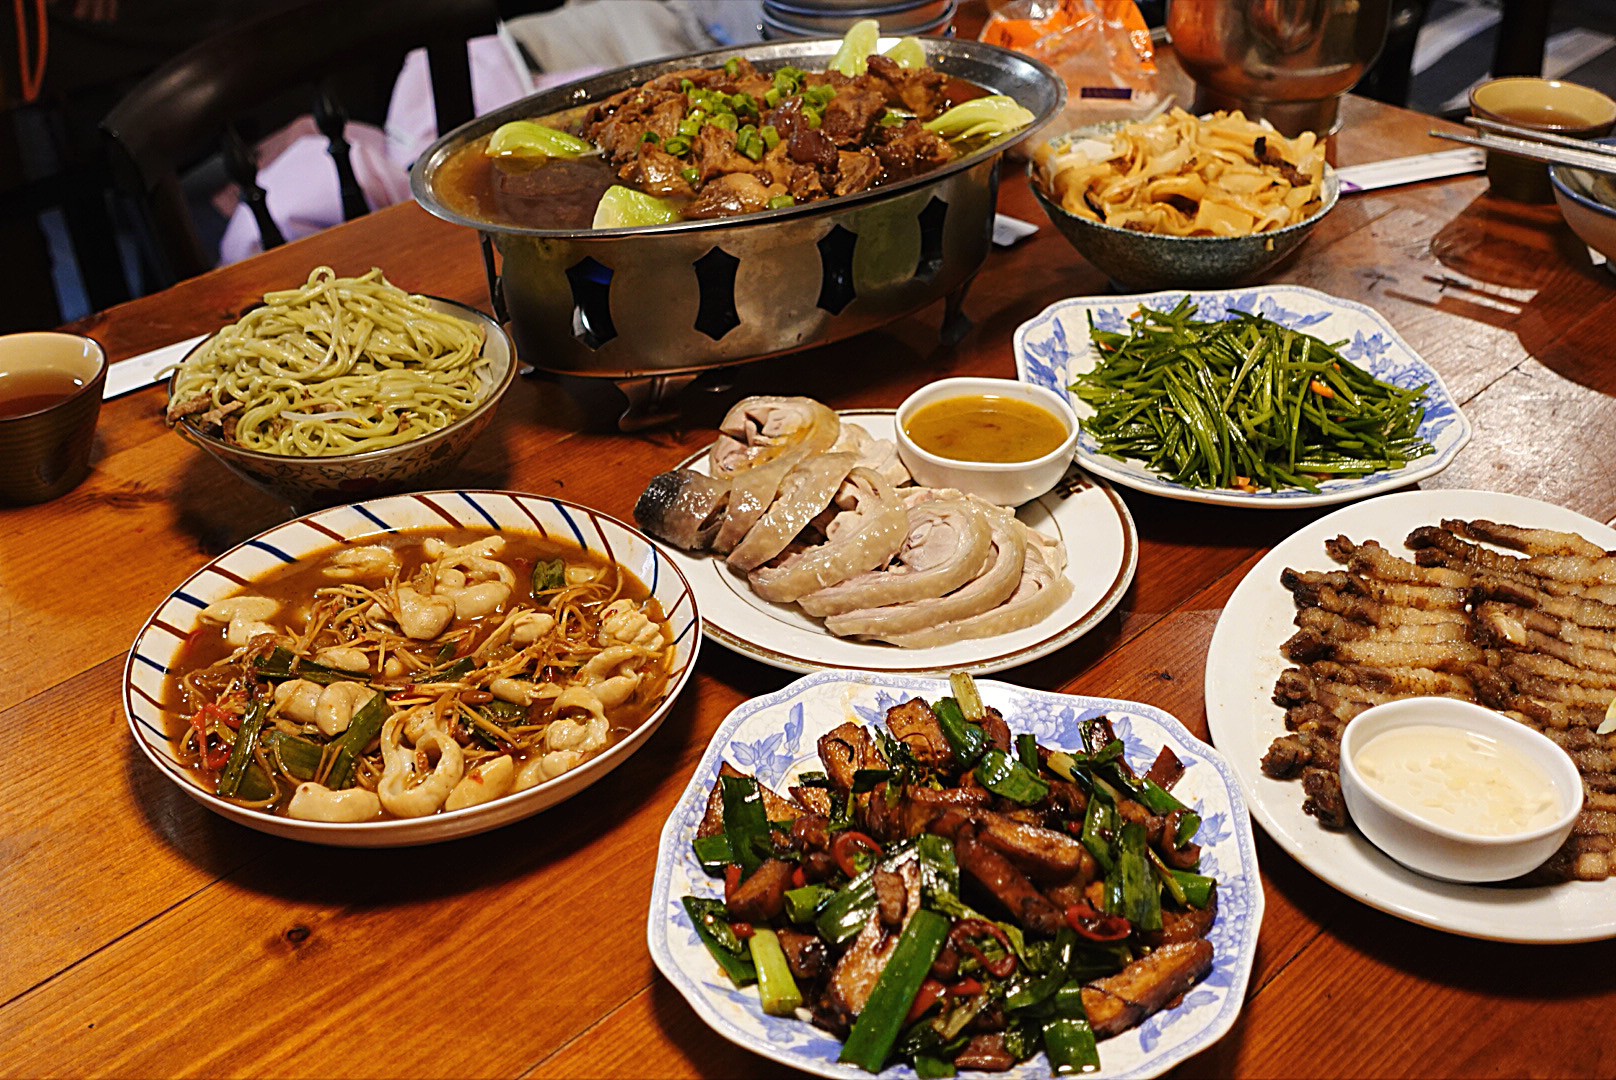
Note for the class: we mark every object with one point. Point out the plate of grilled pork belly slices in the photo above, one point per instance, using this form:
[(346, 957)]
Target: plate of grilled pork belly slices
[(1498, 599), (934, 902), (810, 548)]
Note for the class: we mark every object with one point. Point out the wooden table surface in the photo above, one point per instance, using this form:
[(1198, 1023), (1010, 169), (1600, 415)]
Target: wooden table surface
[(144, 936)]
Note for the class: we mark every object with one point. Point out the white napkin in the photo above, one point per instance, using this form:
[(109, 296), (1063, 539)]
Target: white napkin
[(145, 369), (1408, 170), (1007, 230)]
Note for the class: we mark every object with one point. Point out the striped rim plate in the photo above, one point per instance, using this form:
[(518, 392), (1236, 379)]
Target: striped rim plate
[(160, 640)]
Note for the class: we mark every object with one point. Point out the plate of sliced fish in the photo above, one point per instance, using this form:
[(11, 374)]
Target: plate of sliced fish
[(1493, 598), (810, 548)]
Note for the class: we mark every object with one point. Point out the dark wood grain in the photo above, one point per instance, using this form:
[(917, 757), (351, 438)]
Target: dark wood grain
[(145, 936)]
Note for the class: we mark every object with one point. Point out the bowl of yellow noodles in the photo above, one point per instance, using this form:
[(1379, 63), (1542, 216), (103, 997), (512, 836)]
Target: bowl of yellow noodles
[(343, 388), (1183, 202)]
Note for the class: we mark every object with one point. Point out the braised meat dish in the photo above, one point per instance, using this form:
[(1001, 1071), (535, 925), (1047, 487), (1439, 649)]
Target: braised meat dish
[(946, 893), (717, 142), (831, 134)]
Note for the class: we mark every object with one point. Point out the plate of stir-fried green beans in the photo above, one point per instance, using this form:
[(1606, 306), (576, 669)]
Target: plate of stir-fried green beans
[(1278, 396), (778, 742)]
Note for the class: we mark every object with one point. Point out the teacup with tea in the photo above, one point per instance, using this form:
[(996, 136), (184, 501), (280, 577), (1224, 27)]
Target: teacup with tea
[(1548, 105), (50, 397)]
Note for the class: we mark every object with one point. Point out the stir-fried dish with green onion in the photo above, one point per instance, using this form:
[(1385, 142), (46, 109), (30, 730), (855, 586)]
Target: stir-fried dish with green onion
[(421, 672), (950, 895), (719, 142), (1243, 403)]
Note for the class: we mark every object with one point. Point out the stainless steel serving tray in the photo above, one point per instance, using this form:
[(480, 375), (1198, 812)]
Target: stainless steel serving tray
[(650, 308)]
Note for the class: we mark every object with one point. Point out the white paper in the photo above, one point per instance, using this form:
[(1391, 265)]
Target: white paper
[(145, 369), (1007, 230), (1407, 170)]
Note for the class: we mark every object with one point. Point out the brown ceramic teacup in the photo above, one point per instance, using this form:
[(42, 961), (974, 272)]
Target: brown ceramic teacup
[(50, 395), (1559, 108)]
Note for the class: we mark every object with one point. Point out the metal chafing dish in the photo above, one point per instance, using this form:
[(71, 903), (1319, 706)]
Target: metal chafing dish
[(650, 309)]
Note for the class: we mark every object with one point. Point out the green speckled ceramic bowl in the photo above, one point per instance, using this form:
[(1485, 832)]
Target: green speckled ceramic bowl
[(310, 483), (1147, 262)]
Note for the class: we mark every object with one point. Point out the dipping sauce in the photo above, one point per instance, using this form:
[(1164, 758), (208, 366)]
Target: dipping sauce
[(1458, 780), (24, 392), (988, 428)]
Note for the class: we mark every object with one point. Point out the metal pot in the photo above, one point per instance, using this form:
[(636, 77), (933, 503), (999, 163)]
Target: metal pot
[(1285, 61), (652, 308)]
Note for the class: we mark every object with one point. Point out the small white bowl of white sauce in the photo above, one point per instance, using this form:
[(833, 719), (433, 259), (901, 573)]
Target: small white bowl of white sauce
[(1003, 440), (1456, 791)]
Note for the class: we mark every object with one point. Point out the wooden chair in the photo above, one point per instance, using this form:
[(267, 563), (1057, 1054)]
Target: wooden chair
[(226, 92)]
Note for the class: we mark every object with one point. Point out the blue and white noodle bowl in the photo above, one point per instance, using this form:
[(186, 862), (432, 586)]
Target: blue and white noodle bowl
[(157, 648)]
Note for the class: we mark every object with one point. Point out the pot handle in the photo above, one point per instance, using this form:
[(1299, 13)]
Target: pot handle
[(496, 287)]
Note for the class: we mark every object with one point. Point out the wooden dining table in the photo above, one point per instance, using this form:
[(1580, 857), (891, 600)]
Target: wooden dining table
[(142, 935)]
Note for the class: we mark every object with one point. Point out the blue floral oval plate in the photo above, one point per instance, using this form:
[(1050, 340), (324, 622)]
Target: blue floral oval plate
[(1053, 347), (773, 738)]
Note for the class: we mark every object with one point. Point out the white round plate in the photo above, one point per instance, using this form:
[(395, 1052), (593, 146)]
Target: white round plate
[(1102, 552), (1053, 347), (774, 737), (160, 640), (1244, 661)]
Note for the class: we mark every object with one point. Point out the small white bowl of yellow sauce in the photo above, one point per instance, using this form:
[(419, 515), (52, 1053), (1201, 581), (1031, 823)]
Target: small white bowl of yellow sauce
[(1456, 791), (1000, 439)]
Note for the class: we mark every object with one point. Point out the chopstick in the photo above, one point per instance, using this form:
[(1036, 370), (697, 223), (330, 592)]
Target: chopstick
[(1581, 157), (1516, 130)]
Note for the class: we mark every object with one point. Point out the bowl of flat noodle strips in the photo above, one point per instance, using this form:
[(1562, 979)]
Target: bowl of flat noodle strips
[(343, 388), (1183, 202)]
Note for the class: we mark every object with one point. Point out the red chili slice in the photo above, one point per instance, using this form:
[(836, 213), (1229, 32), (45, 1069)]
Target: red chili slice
[(847, 844), (930, 991), (732, 880), (216, 759), (965, 988), (966, 929), (1096, 927), (215, 755)]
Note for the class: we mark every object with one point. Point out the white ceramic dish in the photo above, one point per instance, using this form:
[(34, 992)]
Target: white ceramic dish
[(1419, 842), (160, 640), (1242, 664), (1053, 347), (1102, 548), (773, 737), (1588, 204), (1007, 483)]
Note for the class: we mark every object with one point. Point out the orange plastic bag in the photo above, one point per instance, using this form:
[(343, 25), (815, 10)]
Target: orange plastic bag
[(1101, 49)]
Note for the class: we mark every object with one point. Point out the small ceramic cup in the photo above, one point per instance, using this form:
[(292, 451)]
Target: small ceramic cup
[(1006, 483), (1559, 108), (50, 396)]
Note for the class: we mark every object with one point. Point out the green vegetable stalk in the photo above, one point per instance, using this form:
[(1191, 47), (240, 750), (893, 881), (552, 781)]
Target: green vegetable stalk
[(526, 139), (995, 114), (366, 725), (877, 1027), (1243, 403), (775, 984), (711, 922)]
